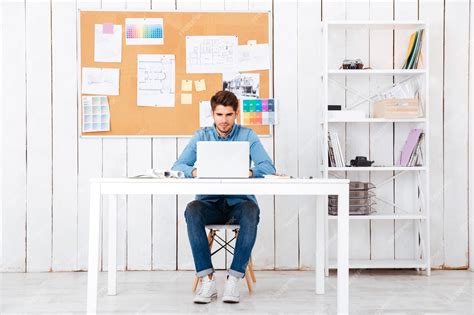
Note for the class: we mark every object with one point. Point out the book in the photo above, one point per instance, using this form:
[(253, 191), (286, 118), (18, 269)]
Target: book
[(409, 147)]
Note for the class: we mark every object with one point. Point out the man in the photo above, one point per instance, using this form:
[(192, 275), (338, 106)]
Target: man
[(229, 209)]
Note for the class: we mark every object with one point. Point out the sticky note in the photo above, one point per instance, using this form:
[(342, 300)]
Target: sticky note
[(252, 42), (107, 28), (187, 85), (200, 85), (186, 98)]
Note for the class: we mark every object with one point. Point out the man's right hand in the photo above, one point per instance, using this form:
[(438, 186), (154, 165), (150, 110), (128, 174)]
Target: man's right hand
[(193, 173)]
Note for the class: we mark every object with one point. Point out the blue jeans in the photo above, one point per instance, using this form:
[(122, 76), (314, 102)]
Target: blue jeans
[(199, 213)]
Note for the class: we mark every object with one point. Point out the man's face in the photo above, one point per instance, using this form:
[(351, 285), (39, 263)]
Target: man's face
[(224, 118)]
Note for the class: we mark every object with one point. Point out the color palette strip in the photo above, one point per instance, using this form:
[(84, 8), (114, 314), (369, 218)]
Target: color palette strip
[(258, 112), (144, 31)]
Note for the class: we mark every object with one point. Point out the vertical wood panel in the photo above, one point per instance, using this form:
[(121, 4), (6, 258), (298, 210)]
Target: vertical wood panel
[(286, 150), (164, 230), (89, 165), (114, 164), (381, 57), (405, 196), (309, 94), (185, 257), (139, 223), (164, 210), (1, 143), (64, 89), (358, 134), (139, 210), (335, 10), (456, 132), (38, 133), (432, 11), (14, 145), (471, 142)]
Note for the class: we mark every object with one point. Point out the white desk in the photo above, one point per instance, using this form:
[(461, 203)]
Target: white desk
[(126, 186)]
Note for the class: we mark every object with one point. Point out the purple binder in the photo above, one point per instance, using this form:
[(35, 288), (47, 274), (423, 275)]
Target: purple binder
[(409, 146)]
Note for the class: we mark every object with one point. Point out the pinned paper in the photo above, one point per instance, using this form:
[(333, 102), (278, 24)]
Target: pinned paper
[(108, 43), (186, 85), (156, 80), (107, 28), (252, 42), (253, 57), (186, 98), (144, 31), (95, 113), (205, 114), (200, 85), (211, 54), (100, 81)]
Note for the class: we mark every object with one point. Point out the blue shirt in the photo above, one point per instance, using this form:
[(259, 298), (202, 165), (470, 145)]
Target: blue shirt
[(262, 162)]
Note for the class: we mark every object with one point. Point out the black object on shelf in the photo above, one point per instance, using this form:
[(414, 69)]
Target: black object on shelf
[(334, 107), (361, 161)]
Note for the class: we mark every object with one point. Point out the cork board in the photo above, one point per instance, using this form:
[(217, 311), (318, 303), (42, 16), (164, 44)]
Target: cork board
[(128, 119)]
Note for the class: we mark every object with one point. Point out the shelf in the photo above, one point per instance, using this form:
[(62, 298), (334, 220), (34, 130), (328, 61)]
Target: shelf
[(390, 72), (383, 216), (377, 168), (381, 263), (377, 25), (380, 120)]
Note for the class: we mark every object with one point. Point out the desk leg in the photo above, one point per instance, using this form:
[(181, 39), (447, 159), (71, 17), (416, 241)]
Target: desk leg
[(112, 274), (93, 268), (320, 245), (343, 252)]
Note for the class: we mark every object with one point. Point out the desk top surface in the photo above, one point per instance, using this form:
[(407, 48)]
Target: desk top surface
[(119, 180)]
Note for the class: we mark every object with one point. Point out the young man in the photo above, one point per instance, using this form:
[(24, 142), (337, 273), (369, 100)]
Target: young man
[(228, 209)]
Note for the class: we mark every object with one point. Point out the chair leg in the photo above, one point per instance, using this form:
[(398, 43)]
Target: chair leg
[(195, 283), (249, 281), (210, 241), (252, 274)]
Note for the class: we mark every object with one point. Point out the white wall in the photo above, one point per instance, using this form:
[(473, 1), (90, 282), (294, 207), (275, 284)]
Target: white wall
[(46, 167)]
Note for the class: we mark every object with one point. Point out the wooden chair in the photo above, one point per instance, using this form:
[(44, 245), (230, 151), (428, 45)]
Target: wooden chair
[(213, 237)]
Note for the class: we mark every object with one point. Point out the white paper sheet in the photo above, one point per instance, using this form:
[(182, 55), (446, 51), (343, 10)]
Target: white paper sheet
[(156, 80), (108, 46), (253, 57), (211, 54), (95, 113), (205, 114), (242, 84), (144, 31), (103, 81)]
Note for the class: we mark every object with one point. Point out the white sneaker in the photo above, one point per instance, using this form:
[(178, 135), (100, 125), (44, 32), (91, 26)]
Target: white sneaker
[(231, 292), (208, 292)]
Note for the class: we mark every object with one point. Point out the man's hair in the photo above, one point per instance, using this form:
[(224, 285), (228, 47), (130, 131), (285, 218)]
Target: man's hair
[(225, 98)]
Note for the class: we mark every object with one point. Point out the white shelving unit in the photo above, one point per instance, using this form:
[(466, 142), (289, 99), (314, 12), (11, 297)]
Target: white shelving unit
[(420, 212)]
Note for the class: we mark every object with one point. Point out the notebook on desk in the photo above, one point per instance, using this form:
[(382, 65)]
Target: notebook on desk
[(219, 159)]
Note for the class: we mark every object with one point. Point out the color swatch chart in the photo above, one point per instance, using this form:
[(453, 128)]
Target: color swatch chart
[(95, 113), (258, 111), (144, 31)]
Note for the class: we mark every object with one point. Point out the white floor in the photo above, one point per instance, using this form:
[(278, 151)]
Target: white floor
[(371, 292)]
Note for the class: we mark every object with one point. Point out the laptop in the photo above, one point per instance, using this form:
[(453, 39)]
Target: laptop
[(219, 159)]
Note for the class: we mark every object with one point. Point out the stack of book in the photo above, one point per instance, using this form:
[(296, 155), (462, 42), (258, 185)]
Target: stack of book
[(335, 156), (412, 154), (414, 56)]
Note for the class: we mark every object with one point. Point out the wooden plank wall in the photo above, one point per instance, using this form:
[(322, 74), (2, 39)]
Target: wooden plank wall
[(46, 167)]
